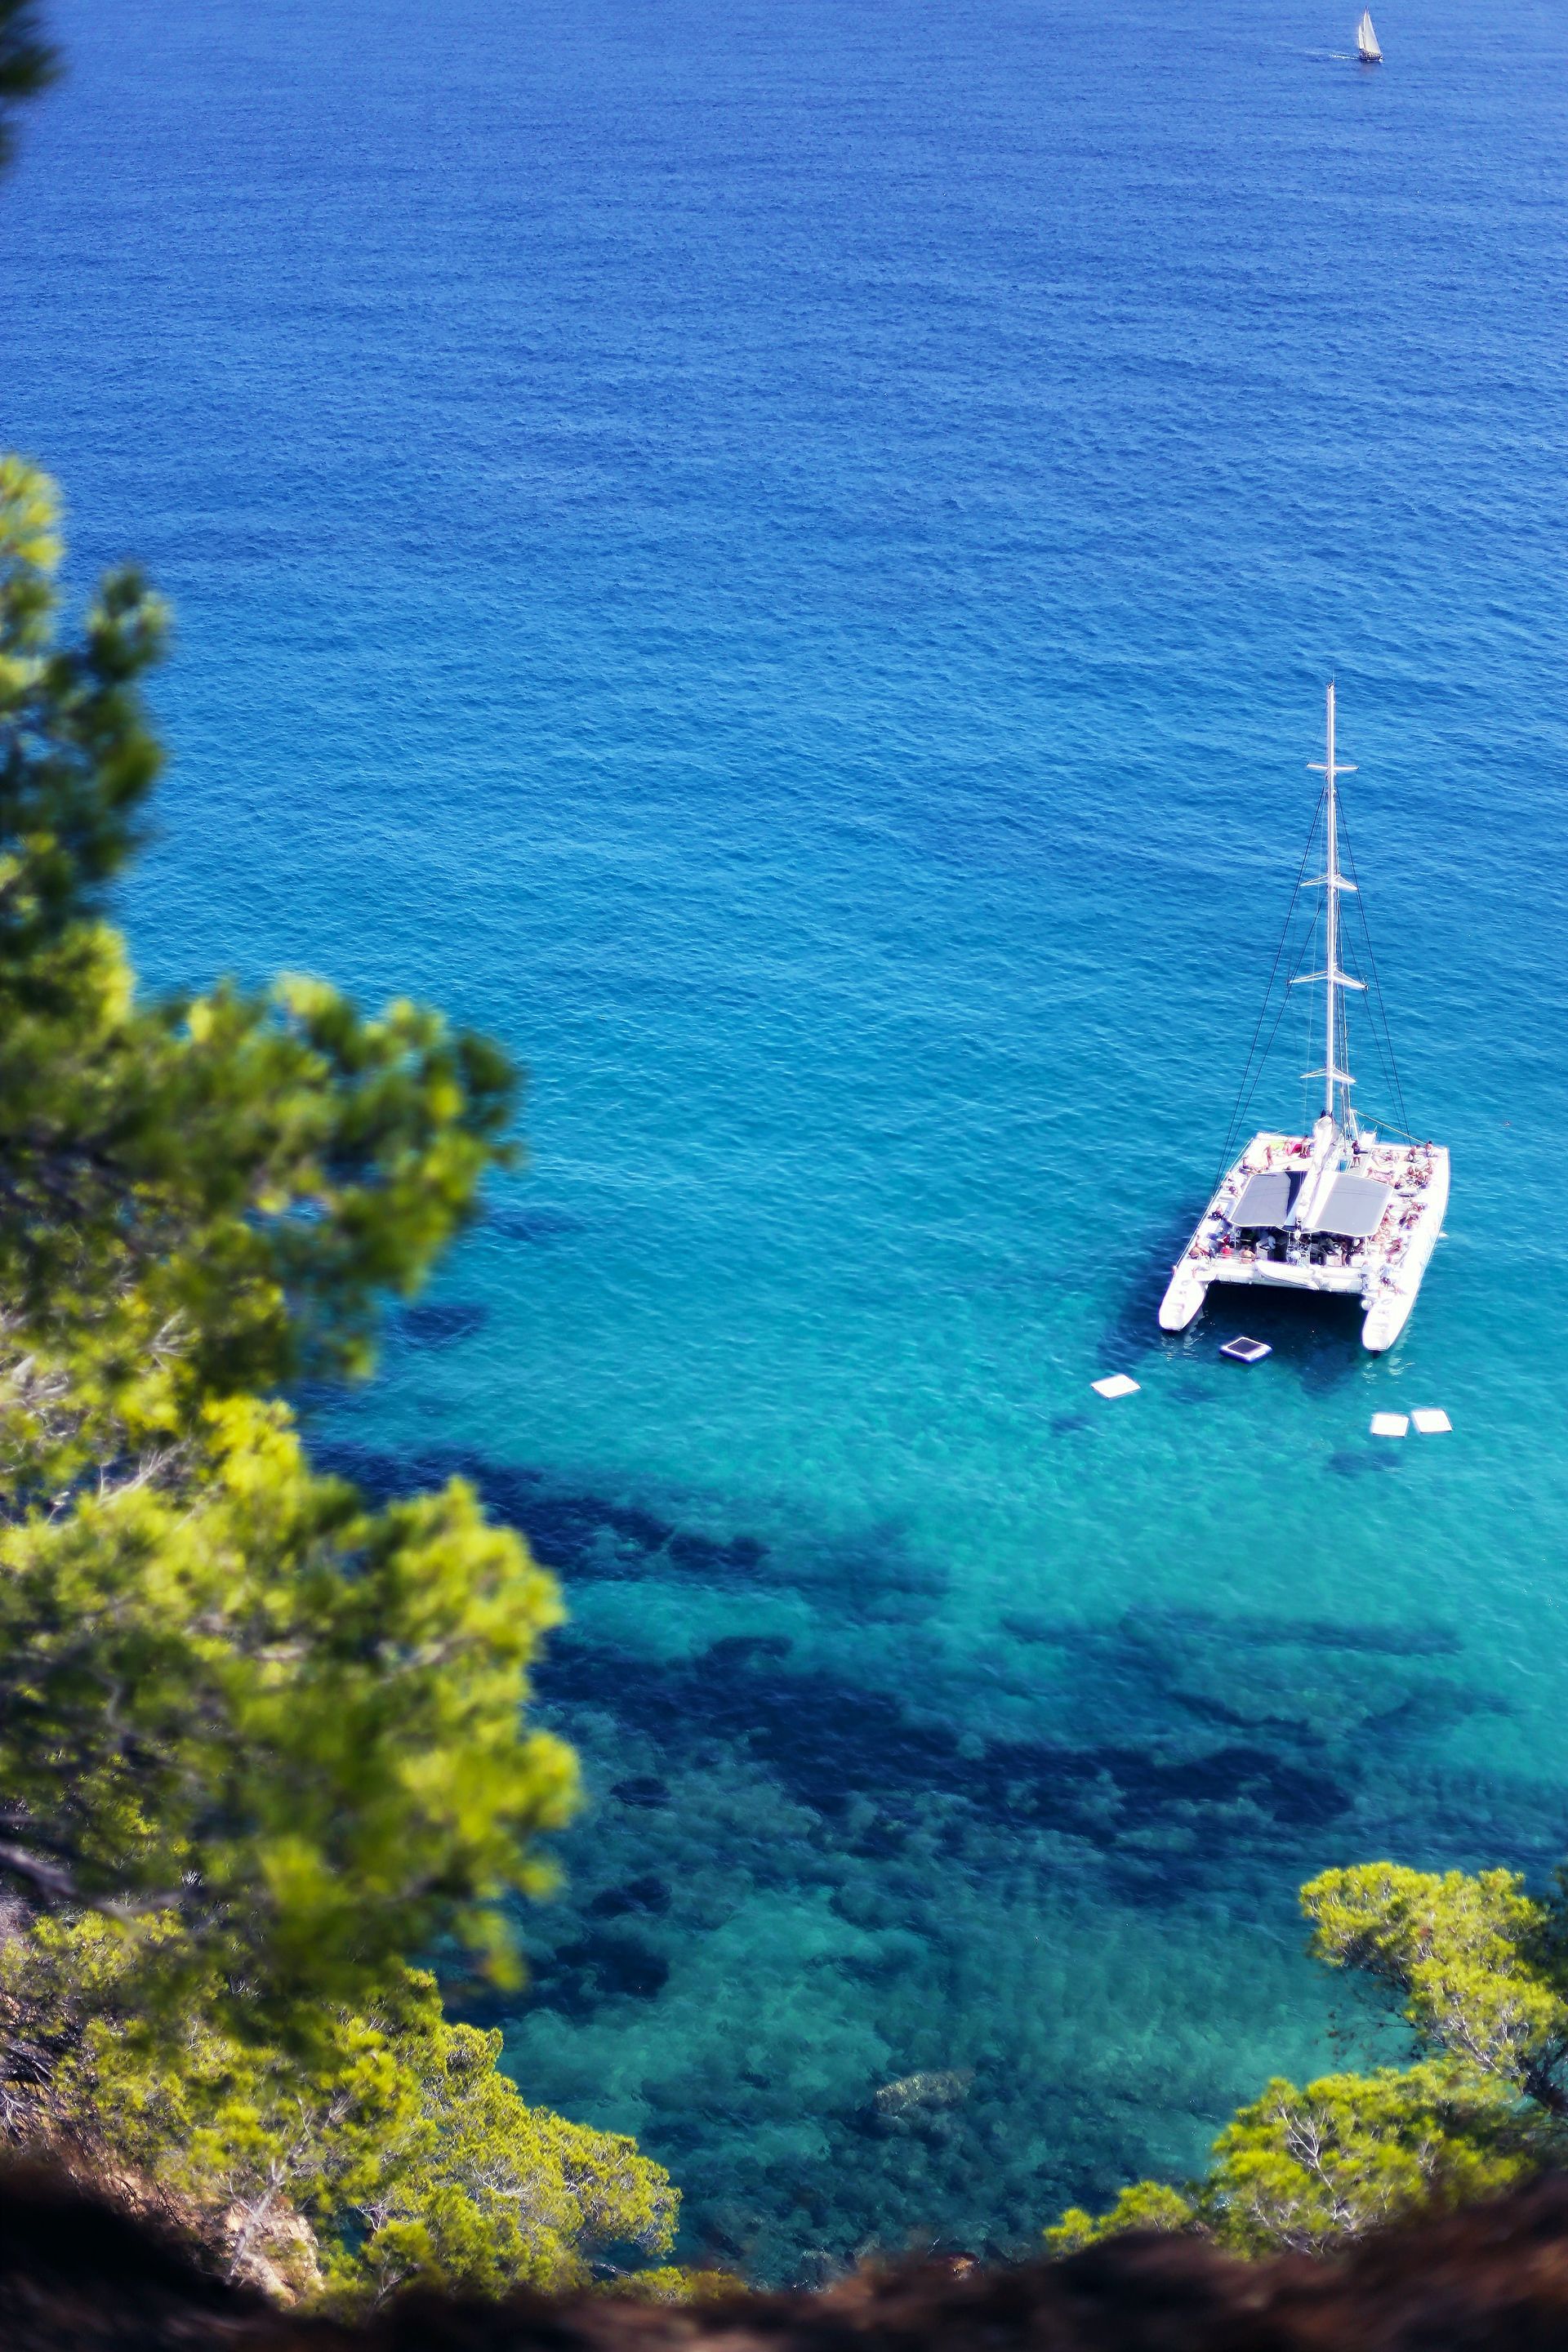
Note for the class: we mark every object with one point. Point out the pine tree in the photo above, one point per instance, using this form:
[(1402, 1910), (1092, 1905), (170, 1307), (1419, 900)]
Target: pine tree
[(259, 1742), (1480, 1967)]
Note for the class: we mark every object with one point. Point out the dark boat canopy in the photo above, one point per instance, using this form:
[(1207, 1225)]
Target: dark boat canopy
[(1353, 1209), (1267, 1199)]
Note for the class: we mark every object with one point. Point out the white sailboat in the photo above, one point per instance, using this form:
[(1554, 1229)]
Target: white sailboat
[(1366, 40), (1341, 1209)]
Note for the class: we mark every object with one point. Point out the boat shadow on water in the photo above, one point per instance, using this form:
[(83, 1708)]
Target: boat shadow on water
[(1316, 1334)]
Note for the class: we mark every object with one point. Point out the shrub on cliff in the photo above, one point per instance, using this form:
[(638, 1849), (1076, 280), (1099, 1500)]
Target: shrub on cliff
[(1481, 1970), (392, 2150)]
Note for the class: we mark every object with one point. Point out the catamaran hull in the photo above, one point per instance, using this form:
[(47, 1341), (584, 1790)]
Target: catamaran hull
[(1184, 1299), (1388, 1313)]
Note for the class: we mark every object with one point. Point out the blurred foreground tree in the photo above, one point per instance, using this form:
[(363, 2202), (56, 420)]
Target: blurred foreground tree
[(28, 63), (1479, 1966), (227, 1689), (259, 1743)]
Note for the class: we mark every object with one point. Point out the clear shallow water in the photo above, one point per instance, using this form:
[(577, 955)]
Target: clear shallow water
[(785, 559)]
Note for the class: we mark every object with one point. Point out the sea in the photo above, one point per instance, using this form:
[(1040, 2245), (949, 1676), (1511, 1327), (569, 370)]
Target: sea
[(783, 559)]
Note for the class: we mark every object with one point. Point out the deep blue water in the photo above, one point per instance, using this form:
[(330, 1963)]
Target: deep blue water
[(784, 559)]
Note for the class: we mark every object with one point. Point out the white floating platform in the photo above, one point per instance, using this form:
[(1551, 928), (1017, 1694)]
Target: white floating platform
[(1247, 1352), (1431, 1420), (1116, 1384), (1390, 1425)]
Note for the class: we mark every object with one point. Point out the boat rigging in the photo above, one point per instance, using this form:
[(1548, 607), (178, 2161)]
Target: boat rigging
[(1341, 1209)]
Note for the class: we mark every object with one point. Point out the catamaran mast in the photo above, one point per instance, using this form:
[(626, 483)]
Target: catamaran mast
[(1334, 882), (1331, 920)]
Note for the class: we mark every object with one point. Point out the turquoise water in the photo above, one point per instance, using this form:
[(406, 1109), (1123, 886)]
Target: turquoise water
[(784, 559)]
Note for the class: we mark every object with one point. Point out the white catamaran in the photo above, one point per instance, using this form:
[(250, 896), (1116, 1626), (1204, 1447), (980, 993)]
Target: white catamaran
[(1366, 40), (1339, 1210)]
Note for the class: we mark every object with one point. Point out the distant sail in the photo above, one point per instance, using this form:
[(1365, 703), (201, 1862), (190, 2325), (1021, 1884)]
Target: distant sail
[(1366, 39)]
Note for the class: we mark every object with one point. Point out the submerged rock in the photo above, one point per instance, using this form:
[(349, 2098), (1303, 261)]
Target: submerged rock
[(948, 2089)]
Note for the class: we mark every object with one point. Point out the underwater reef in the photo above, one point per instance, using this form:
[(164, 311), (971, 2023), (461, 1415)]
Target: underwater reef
[(910, 1964)]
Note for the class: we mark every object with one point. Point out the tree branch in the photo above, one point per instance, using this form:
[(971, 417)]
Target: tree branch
[(53, 1880)]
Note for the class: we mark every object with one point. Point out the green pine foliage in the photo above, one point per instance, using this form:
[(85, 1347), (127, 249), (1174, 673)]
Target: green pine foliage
[(239, 1698), (197, 1196), (1477, 1961), (1303, 2170), (260, 1744), (393, 2152), (226, 1686), (1478, 1966), (1146, 2205)]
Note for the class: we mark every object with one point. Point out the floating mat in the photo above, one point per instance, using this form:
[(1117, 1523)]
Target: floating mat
[(1430, 1421), (1247, 1352), (1390, 1425), (1118, 1384)]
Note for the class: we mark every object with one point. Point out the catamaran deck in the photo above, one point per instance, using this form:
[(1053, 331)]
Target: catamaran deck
[(1294, 1213)]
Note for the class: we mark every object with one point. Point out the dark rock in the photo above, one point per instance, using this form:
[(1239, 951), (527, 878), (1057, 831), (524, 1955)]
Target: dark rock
[(440, 1322), (642, 1788), (650, 1894)]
